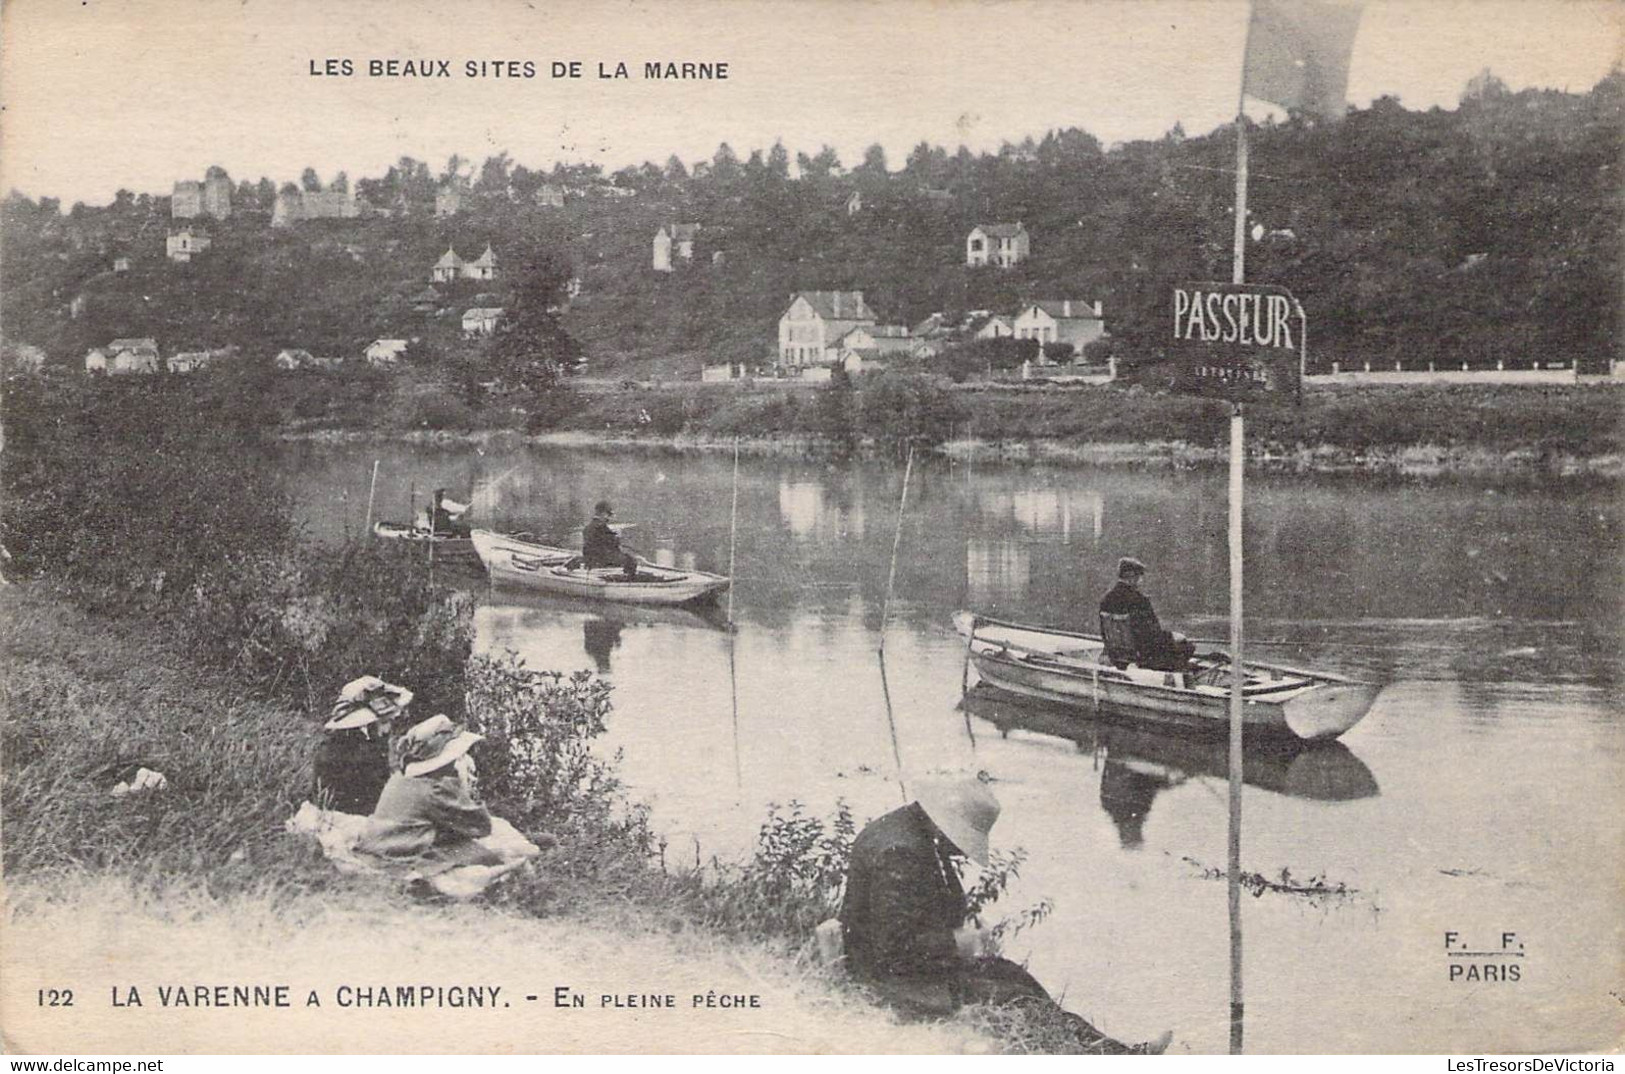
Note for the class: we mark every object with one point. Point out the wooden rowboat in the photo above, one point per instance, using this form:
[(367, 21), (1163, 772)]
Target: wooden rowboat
[(1070, 669), (447, 548), (544, 568)]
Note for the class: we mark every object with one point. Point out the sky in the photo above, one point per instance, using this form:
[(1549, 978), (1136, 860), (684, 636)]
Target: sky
[(138, 93)]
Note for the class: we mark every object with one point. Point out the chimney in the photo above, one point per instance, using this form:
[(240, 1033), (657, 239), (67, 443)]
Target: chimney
[(1066, 307), (837, 302), (1097, 308), (859, 296)]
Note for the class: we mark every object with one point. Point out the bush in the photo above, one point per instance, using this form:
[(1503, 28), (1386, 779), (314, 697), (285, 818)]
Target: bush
[(900, 411)]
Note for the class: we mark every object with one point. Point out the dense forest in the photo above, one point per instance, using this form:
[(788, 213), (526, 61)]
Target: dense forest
[(1488, 232)]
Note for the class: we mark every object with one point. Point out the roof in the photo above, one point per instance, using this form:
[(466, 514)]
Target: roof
[(487, 258), (482, 311), (1068, 309), (133, 344), (1000, 231), (680, 232), (392, 344), (889, 331), (449, 259), (824, 303)]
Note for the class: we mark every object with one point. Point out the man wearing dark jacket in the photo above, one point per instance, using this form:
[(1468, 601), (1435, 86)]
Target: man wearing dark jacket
[(601, 545), (903, 916), (1154, 647)]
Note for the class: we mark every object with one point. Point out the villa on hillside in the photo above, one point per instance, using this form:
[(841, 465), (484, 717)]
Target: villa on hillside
[(1060, 321), (815, 323), (672, 242), (385, 352), (181, 245), (481, 321), (450, 267), (1003, 245), (132, 355)]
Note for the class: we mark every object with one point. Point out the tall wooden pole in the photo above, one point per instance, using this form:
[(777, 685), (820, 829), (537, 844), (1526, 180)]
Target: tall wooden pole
[(733, 677), (372, 490), (1238, 274)]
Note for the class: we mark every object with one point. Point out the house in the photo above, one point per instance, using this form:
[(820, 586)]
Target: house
[(186, 201), (183, 244), (995, 326), (816, 322), (483, 267), (124, 356), (550, 196), (997, 244), (448, 200), (121, 264), (188, 361), (481, 321), (448, 268), (868, 346), (212, 197), (385, 351), (674, 241), (932, 327), (1064, 321), (293, 358)]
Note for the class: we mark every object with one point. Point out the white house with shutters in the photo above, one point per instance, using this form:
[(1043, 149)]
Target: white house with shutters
[(1004, 245), (816, 322), (1066, 320)]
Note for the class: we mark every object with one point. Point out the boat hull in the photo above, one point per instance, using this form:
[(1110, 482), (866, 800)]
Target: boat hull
[(1066, 668), (541, 568)]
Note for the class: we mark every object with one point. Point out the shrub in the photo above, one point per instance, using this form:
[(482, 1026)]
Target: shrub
[(901, 411)]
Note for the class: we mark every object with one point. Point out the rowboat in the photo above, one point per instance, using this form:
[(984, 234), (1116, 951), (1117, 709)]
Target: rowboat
[(1072, 669), (446, 546), (547, 569)]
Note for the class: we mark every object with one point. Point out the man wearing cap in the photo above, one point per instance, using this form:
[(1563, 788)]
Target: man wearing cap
[(352, 761), (601, 545), (904, 914), (1155, 648)]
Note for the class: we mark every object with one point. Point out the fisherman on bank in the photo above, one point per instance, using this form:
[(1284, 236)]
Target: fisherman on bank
[(904, 915), (601, 545), (352, 759), (1154, 647)]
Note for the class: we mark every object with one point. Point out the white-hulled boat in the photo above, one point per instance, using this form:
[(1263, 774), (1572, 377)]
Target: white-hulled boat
[(547, 569), (1071, 669)]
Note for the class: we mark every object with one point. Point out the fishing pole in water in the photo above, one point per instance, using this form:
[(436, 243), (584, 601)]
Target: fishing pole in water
[(733, 675), (885, 612)]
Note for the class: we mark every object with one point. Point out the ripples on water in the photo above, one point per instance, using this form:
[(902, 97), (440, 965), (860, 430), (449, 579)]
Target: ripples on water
[(1481, 793)]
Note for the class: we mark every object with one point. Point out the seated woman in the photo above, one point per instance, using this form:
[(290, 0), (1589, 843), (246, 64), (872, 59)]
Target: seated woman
[(352, 759), (427, 812)]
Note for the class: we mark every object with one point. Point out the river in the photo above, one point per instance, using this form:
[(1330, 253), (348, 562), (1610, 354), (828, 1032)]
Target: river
[(1481, 796)]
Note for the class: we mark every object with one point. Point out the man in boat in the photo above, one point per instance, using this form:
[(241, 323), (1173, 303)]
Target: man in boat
[(601, 545), (1154, 647), (904, 916), (446, 515)]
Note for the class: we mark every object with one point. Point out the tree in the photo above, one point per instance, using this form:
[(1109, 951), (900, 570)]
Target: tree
[(530, 349), (724, 163), (265, 191), (778, 161), (675, 171), (310, 181), (456, 166), (494, 173), (340, 183), (825, 163), (874, 161)]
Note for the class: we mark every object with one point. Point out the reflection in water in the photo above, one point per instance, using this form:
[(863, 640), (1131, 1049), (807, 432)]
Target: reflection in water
[(1501, 643), (1140, 762), (601, 637), (996, 571)]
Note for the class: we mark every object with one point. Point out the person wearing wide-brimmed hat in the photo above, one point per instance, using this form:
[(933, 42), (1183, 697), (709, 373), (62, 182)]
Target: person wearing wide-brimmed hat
[(427, 811), (352, 760), (904, 914)]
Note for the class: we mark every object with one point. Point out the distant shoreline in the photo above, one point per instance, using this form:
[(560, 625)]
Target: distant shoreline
[(1423, 460)]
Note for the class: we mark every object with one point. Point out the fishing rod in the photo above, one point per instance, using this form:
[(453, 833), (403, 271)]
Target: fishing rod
[(885, 611), (733, 674), (372, 492)]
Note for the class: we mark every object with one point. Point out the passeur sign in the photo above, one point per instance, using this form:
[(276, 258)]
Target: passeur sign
[(1238, 339)]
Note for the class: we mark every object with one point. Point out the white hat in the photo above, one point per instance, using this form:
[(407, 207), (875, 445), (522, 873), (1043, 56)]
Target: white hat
[(366, 700), (963, 809), (433, 744)]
